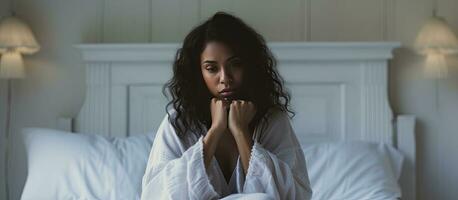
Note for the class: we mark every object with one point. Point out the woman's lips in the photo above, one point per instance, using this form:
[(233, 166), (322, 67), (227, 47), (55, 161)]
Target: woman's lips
[(227, 94)]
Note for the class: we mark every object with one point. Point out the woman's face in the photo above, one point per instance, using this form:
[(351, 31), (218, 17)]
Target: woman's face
[(221, 71)]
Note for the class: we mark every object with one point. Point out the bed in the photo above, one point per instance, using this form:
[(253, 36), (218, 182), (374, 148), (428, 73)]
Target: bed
[(339, 93)]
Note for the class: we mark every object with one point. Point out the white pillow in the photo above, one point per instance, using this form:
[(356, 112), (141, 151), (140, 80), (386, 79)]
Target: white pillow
[(353, 170), (64, 165)]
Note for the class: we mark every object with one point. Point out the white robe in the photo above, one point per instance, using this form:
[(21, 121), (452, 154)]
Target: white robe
[(276, 170)]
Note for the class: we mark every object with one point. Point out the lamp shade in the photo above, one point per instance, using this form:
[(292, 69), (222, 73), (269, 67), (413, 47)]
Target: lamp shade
[(436, 66), (436, 37), (15, 35), (11, 65)]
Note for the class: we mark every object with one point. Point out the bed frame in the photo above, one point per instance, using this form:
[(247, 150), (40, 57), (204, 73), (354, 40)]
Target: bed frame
[(339, 92)]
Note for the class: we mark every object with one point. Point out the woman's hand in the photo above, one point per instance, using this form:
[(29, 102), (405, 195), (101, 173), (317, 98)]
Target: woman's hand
[(240, 115), (219, 109)]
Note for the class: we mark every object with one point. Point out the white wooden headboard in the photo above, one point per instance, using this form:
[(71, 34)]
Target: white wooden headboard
[(339, 92)]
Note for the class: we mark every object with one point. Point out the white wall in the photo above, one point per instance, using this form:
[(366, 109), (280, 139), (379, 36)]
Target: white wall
[(54, 86), (435, 106)]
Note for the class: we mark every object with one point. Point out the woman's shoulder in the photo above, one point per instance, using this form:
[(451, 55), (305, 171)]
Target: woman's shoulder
[(171, 122), (168, 133), (273, 119), (167, 119), (277, 132), (275, 115), (170, 117)]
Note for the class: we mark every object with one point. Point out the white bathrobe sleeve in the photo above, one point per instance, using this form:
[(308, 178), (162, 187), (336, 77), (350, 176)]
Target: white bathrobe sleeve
[(277, 164), (174, 172)]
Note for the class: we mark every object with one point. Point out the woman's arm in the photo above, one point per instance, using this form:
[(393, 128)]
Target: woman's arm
[(218, 110), (210, 141), (240, 115), (244, 145)]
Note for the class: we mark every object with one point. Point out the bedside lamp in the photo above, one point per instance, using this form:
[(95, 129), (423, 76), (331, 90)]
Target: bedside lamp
[(16, 39), (436, 40)]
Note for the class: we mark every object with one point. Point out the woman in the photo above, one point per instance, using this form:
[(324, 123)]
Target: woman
[(227, 134)]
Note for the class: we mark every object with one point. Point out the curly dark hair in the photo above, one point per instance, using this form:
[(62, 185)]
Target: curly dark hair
[(191, 98)]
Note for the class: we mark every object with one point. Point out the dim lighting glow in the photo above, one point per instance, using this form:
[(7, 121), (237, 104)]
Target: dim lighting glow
[(435, 66), (11, 65)]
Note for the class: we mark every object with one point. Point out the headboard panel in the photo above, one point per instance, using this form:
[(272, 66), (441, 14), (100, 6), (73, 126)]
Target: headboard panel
[(120, 80)]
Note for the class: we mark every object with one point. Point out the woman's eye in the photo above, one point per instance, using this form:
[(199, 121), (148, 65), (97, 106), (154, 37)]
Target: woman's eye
[(211, 69), (236, 63)]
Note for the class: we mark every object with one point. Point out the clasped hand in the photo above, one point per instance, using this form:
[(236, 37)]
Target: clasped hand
[(237, 121)]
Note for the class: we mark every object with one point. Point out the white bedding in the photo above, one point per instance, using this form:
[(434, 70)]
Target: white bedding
[(63, 165), (353, 170)]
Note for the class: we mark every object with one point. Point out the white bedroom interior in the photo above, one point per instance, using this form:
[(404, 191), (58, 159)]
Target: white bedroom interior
[(55, 88)]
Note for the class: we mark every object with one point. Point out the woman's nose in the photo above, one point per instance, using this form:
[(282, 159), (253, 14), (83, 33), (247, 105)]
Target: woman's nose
[(226, 76)]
